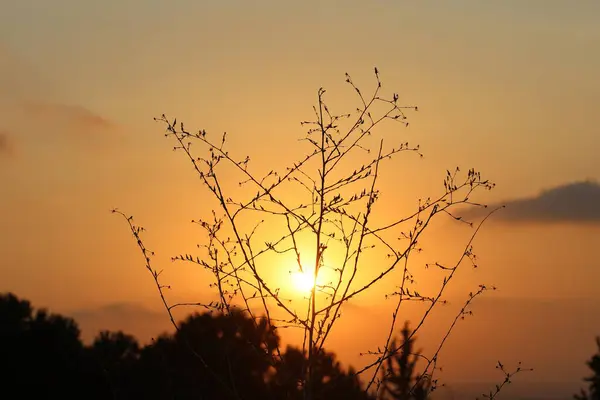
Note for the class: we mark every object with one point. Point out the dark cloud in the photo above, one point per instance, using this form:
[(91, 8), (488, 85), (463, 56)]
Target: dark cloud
[(78, 116), (572, 202)]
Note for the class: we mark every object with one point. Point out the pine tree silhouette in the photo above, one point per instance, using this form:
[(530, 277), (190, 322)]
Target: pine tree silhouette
[(399, 377)]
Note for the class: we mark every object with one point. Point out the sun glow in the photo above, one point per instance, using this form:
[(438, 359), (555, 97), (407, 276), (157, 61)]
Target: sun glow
[(303, 281)]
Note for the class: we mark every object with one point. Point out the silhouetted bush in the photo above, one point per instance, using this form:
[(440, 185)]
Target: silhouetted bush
[(318, 214)]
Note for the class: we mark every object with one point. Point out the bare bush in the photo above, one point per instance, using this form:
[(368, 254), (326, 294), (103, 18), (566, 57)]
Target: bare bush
[(322, 206)]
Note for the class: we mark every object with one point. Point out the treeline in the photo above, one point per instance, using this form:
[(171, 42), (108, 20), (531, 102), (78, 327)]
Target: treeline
[(210, 356)]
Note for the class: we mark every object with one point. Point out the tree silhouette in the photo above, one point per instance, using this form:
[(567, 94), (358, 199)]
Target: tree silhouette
[(594, 380), (41, 351), (331, 381), (232, 347), (44, 354), (111, 363), (399, 378), (206, 351)]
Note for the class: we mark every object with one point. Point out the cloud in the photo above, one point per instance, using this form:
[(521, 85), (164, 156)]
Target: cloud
[(78, 116), (29, 107), (572, 202)]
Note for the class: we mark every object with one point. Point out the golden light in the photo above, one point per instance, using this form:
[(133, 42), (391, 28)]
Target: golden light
[(303, 281)]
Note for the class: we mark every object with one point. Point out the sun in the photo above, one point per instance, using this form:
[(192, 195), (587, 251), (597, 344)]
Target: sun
[(303, 281)]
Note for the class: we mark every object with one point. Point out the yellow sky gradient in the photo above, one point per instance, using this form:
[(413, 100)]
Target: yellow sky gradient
[(509, 88)]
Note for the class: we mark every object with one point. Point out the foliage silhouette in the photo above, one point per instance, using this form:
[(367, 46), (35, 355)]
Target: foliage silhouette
[(47, 356), (42, 351), (231, 345), (594, 380), (111, 364), (332, 381)]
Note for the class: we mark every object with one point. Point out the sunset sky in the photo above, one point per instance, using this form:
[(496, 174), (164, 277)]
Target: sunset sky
[(510, 88)]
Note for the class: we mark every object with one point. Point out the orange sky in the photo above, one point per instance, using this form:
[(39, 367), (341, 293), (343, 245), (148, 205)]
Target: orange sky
[(510, 88)]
